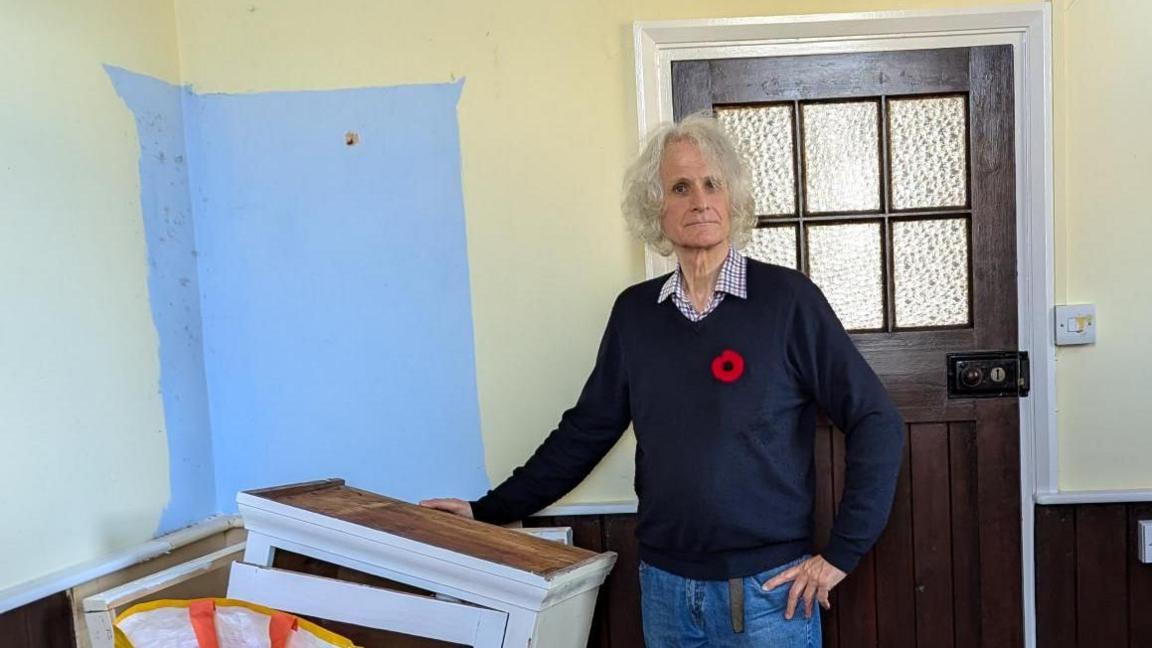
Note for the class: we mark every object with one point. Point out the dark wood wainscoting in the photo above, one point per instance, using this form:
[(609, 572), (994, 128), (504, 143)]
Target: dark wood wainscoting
[(1091, 591), (47, 623)]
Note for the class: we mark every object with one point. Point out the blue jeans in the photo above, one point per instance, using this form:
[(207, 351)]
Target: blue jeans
[(684, 613)]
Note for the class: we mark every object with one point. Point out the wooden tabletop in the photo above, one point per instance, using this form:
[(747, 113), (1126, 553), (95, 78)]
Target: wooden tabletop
[(436, 528)]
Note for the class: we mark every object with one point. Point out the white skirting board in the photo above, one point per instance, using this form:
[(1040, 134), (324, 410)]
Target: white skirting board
[(70, 577)]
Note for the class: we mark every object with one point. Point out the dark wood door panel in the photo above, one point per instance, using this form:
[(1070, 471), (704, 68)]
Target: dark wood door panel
[(932, 534), (896, 588), (963, 477), (993, 167), (920, 584), (819, 76), (998, 506)]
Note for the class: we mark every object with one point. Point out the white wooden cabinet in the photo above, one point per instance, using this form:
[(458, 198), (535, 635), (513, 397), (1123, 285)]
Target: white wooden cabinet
[(482, 585)]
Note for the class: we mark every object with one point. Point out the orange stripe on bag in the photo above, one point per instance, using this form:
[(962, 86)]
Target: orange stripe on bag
[(280, 629), (202, 614)]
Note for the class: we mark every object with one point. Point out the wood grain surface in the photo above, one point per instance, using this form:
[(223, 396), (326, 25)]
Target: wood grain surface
[(436, 528)]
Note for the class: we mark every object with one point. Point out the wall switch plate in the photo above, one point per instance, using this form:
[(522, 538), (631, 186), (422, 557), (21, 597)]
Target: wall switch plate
[(1075, 324), (1145, 550)]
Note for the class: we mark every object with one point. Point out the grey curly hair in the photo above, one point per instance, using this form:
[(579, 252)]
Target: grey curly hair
[(644, 196)]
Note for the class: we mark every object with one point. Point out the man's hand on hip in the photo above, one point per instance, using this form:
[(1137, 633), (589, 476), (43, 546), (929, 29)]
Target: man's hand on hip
[(812, 579)]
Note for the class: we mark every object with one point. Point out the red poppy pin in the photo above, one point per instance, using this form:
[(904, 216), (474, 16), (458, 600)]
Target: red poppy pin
[(728, 366)]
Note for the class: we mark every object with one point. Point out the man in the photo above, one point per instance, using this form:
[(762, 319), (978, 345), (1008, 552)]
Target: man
[(720, 367)]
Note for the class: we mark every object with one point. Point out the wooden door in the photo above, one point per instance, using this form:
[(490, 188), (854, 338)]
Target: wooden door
[(889, 179)]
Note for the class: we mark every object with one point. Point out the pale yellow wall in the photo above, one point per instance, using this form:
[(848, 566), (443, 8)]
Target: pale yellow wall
[(84, 466), (1104, 158), (548, 123)]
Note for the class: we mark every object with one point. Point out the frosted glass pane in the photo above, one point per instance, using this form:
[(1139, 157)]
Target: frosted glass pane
[(929, 156), (845, 261), (930, 272), (773, 245), (841, 157), (763, 135)]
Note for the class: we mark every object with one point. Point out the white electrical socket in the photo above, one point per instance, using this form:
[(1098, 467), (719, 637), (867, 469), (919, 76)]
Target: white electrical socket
[(1145, 552)]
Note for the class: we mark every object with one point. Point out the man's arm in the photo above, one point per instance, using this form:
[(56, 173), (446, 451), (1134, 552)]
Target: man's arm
[(585, 434), (850, 393)]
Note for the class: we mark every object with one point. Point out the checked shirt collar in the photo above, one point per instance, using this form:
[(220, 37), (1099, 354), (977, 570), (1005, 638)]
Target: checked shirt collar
[(732, 281)]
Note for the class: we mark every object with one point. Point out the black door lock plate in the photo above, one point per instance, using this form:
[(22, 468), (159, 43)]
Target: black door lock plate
[(988, 374)]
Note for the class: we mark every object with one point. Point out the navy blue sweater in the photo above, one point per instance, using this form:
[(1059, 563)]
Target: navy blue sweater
[(724, 471)]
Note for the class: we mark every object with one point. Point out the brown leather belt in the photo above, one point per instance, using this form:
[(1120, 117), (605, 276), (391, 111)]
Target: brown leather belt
[(736, 603)]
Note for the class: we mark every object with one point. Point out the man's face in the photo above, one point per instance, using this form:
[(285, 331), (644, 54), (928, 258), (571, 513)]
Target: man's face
[(696, 210)]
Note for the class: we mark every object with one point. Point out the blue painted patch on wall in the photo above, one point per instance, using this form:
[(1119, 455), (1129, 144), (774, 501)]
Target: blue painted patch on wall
[(309, 284)]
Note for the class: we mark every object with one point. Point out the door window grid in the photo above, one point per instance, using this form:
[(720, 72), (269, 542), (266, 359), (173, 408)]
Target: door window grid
[(926, 290)]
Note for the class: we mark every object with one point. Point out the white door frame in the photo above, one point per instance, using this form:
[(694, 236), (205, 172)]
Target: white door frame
[(1027, 28)]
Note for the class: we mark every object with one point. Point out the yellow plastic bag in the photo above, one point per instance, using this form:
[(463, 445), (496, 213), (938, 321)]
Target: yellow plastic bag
[(218, 623)]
